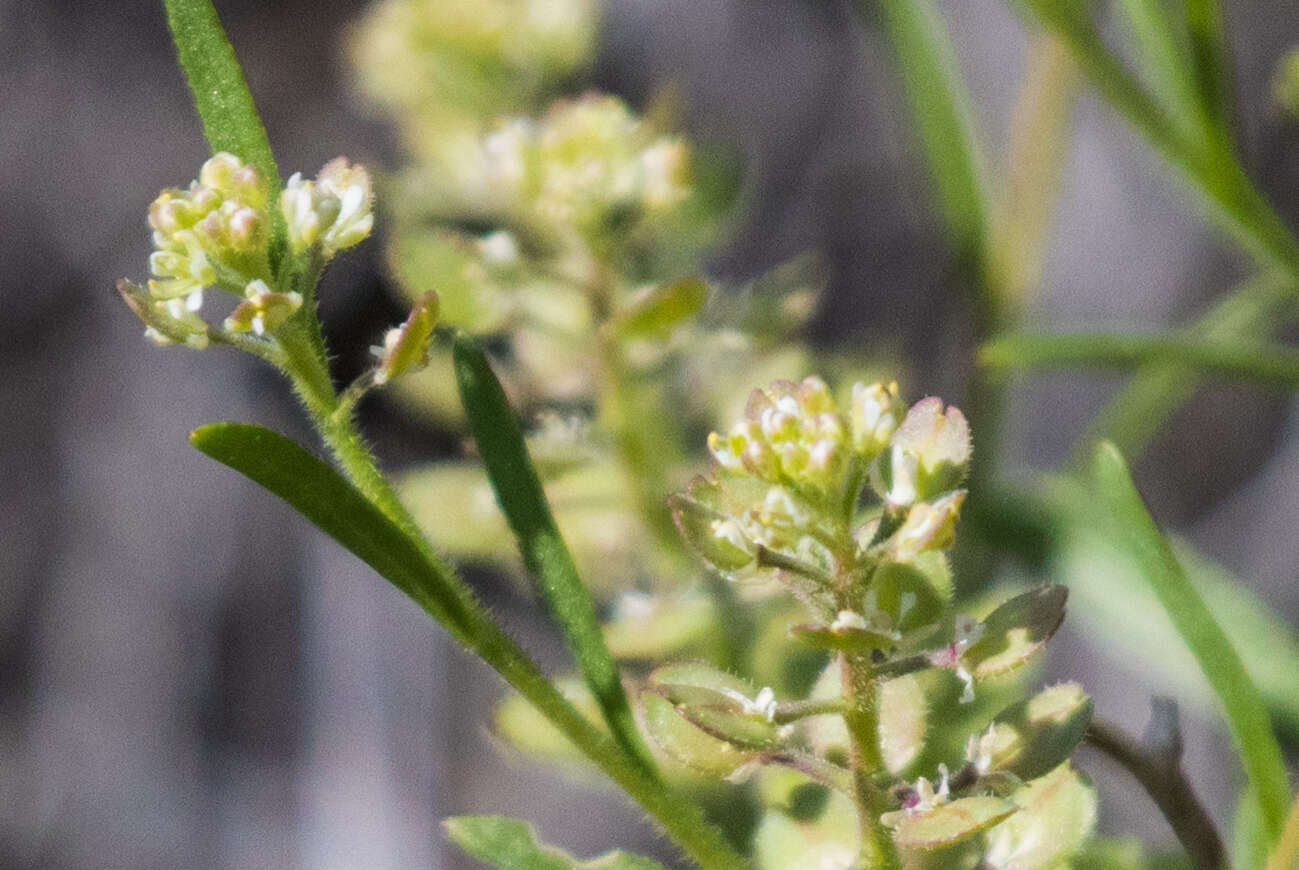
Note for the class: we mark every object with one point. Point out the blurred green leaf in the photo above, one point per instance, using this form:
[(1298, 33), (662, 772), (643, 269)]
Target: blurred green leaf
[(662, 626), (655, 313), (518, 491), (1057, 813), (518, 723), (1232, 199), (903, 721), (1286, 854), (221, 96), (943, 116), (1246, 716), (1162, 58), (1211, 61), (831, 839), (511, 844), (1266, 365), (1110, 599), (1251, 311)]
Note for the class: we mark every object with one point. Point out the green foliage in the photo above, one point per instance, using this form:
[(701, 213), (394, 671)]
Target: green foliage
[(823, 651), (510, 844), (944, 120), (519, 493), (1246, 715), (1272, 366)]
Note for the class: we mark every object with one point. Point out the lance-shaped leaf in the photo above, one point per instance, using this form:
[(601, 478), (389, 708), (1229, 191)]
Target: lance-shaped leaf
[(719, 704), (658, 311), (1037, 735), (947, 823), (1055, 818), (1246, 716), (519, 493), (1015, 631), (511, 844)]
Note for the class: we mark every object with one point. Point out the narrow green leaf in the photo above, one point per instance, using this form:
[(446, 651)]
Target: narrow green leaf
[(321, 495), (656, 313), (1251, 311), (1246, 716), (1116, 608), (221, 96), (1162, 59), (1211, 59), (511, 844), (317, 492), (518, 491), (1207, 163), (941, 109), (1267, 365)]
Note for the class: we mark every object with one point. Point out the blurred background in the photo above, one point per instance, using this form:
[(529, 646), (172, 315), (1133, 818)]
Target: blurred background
[(190, 676)]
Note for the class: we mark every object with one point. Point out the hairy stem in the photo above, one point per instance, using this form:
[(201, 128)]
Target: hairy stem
[(862, 718), (472, 626)]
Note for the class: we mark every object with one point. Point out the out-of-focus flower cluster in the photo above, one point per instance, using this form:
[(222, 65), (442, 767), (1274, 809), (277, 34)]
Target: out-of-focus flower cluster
[(589, 166), (440, 68), (217, 234)]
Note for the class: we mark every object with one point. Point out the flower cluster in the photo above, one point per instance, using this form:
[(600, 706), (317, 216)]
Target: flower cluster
[(333, 211), (812, 458), (440, 67), (849, 505), (794, 436), (588, 165), (216, 234)]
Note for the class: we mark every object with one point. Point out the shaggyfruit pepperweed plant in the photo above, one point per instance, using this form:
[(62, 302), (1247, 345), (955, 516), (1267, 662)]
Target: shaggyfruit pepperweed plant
[(776, 662)]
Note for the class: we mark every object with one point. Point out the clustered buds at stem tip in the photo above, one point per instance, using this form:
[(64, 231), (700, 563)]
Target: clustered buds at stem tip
[(213, 235)]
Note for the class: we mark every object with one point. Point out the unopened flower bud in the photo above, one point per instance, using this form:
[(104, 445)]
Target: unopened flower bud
[(940, 441), (875, 414), (928, 526), (405, 347), (262, 311)]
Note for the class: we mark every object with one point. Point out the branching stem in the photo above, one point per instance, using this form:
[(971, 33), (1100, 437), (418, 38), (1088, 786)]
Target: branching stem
[(1161, 775)]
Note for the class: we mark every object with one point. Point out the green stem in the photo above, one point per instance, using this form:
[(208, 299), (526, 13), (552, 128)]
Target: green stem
[(333, 422), (471, 625), (1133, 417), (862, 718), (1273, 366)]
